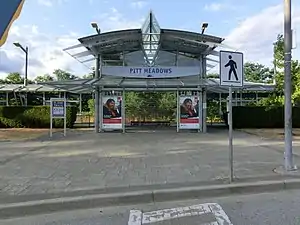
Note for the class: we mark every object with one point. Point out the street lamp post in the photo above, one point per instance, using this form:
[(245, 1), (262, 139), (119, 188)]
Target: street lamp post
[(98, 95), (25, 50), (96, 27), (288, 138), (204, 26)]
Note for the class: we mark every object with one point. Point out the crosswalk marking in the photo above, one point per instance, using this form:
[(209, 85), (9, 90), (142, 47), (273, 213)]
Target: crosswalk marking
[(137, 217)]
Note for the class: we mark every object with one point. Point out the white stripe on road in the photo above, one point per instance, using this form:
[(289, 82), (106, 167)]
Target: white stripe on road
[(136, 217), (167, 214), (219, 213)]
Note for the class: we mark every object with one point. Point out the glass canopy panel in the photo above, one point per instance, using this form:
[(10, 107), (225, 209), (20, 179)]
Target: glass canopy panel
[(151, 37)]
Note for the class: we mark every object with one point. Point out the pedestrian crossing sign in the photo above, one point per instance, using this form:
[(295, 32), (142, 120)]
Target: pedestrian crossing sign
[(231, 69)]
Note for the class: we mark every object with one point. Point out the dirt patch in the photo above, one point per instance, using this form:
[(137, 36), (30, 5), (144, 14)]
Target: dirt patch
[(21, 133), (272, 133)]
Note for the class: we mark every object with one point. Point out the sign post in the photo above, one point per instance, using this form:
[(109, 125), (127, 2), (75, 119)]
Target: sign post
[(231, 75), (58, 110)]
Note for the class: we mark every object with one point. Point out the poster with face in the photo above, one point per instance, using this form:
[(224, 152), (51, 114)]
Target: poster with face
[(189, 112), (112, 118)]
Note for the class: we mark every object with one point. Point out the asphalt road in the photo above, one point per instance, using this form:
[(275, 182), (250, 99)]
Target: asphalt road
[(267, 208)]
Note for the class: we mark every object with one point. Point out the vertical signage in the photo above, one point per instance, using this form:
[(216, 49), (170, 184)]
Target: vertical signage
[(58, 110), (112, 112), (189, 112)]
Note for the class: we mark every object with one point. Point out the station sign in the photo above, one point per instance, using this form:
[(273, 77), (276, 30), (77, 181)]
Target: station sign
[(151, 72)]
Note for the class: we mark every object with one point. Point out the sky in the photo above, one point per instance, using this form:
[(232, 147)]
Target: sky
[(49, 26)]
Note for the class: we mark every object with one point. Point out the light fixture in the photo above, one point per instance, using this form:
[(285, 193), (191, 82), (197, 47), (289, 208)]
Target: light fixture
[(204, 26), (95, 26)]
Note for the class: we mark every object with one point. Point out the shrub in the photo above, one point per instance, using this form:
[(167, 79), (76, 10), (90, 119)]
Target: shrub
[(33, 117)]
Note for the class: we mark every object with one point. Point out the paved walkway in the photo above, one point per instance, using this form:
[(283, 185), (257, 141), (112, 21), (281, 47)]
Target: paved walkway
[(88, 160)]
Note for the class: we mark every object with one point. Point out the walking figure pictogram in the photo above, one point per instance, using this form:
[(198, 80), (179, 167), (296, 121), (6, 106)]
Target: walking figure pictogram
[(233, 68)]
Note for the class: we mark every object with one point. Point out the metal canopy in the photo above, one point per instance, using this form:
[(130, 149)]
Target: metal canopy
[(136, 84), (29, 88), (116, 47)]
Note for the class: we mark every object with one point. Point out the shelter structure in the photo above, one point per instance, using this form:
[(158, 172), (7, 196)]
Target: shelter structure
[(149, 59)]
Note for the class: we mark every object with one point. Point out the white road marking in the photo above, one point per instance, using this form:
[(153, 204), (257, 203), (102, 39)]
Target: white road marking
[(167, 214), (136, 217), (219, 213)]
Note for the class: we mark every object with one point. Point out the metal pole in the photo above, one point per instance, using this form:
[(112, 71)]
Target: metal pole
[(44, 98), (123, 112), (80, 103), (65, 115), (7, 99), (97, 97), (51, 119), (26, 67), (100, 110), (288, 87), (200, 109), (204, 96), (220, 103), (230, 137), (177, 111)]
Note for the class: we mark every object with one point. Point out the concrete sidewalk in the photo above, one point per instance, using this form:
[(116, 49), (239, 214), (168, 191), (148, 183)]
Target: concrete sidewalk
[(113, 161)]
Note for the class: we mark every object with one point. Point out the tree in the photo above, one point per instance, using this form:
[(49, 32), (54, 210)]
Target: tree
[(255, 72), (88, 76), (213, 75), (14, 78), (63, 75), (277, 98), (44, 78)]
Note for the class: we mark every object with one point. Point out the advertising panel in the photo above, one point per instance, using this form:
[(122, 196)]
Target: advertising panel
[(58, 108), (112, 118), (189, 112)]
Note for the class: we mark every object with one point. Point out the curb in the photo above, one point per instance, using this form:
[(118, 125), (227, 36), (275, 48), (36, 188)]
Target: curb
[(139, 197)]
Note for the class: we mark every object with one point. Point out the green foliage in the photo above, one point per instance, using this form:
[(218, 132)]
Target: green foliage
[(33, 117), (63, 75), (256, 72), (90, 75), (44, 78), (212, 75), (277, 98), (91, 106), (262, 117), (14, 78), (213, 110)]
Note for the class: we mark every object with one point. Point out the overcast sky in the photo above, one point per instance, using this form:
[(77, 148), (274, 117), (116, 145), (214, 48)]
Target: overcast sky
[(48, 26)]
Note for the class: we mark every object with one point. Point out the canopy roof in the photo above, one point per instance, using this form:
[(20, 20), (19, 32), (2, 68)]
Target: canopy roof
[(119, 83), (150, 45), (184, 83), (29, 88)]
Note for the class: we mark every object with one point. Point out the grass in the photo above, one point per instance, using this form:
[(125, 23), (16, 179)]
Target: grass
[(21, 133)]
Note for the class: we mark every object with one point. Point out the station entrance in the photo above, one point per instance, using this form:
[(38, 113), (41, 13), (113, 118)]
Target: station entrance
[(151, 77), (160, 110)]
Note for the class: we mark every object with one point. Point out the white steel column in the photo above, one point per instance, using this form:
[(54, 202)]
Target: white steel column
[(100, 96), (80, 103), (44, 98), (204, 100), (123, 112), (97, 96), (7, 99), (177, 111), (200, 109), (200, 106)]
